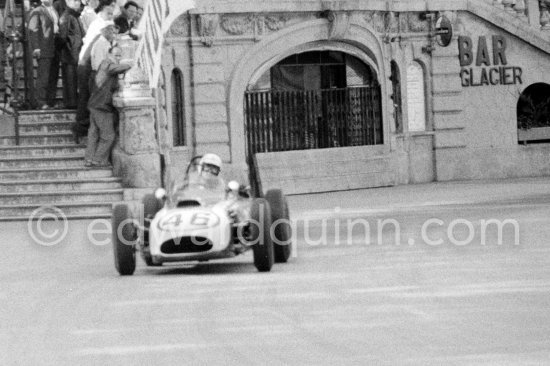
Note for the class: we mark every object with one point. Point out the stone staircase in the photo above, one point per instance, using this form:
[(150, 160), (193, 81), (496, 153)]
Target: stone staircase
[(47, 169)]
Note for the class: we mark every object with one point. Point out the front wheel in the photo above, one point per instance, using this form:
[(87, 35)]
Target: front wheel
[(151, 205), (262, 245), (124, 240), (283, 230)]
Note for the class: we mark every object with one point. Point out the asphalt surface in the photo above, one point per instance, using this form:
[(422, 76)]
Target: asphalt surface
[(439, 293)]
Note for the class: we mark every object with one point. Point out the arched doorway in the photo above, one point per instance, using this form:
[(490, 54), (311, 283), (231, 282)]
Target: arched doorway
[(533, 114), (313, 100)]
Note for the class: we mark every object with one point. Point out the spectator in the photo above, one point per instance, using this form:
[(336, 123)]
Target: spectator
[(101, 134), (101, 47), (104, 13), (84, 69), (60, 6), (43, 31), (71, 32), (119, 5), (125, 20), (139, 15), (88, 14)]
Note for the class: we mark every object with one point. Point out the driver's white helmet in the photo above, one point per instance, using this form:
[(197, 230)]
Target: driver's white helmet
[(211, 163)]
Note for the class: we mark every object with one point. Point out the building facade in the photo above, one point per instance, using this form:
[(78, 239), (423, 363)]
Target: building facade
[(331, 95)]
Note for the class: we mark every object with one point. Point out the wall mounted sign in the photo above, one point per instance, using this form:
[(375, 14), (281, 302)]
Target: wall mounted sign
[(444, 31), (486, 68), (416, 103)]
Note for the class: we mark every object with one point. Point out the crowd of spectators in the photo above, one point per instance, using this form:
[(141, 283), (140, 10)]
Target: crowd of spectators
[(79, 37)]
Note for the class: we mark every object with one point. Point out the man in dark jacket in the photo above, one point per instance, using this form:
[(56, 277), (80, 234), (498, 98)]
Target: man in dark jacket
[(125, 21), (43, 33), (71, 32), (101, 134)]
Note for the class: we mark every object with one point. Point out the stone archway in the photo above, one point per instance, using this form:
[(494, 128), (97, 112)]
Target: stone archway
[(359, 41), (313, 100)]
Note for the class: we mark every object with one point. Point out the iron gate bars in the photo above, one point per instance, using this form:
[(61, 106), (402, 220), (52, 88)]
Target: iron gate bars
[(284, 120)]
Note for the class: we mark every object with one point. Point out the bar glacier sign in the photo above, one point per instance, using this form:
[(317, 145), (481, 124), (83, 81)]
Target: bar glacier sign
[(487, 68)]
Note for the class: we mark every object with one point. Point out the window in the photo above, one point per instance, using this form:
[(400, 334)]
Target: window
[(396, 97), (178, 120), (310, 71)]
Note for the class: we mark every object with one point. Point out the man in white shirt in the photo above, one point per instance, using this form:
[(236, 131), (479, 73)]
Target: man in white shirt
[(105, 11), (100, 48), (105, 14), (88, 14)]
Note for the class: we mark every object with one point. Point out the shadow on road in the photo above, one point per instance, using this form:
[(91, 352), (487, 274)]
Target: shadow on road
[(204, 269)]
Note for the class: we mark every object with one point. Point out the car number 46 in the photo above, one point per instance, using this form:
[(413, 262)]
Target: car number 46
[(200, 219)]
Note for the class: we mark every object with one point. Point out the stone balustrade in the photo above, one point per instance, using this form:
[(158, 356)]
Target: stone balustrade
[(536, 12), (134, 83), (136, 152), (545, 14)]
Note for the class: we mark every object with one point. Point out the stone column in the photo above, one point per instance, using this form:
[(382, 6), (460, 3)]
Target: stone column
[(136, 156)]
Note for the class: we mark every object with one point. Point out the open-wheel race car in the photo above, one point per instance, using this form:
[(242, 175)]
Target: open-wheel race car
[(202, 219)]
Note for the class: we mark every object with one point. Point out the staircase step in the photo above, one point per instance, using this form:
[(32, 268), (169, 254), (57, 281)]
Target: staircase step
[(53, 173), (42, 161), (92, 216), (41, 198), (49, 128), (70, 210), (46, 135), (36, 150), (60, 139), (49, 115), (58, 92), (51, 185)]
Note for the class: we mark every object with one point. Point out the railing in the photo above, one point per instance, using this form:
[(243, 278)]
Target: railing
[(536, 12), (545, 14), (517, 7), (312, 119)]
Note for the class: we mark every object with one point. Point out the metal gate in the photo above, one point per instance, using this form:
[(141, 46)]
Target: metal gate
[(284, 120)]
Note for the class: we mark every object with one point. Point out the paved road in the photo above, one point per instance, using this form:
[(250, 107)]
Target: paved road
[(359, 300)]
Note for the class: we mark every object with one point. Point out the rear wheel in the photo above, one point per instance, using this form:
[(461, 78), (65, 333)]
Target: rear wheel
[(124, 240), (259, 234), (283, 231)]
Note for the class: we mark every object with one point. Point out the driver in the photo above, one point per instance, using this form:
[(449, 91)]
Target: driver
[(210, 165)]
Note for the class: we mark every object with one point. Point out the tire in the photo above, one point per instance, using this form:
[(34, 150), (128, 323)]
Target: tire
[(283, 231), (124, 245), (260, 214), (151, 205)]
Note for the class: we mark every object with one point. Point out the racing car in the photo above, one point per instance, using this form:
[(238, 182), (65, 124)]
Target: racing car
[(200, 220)]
